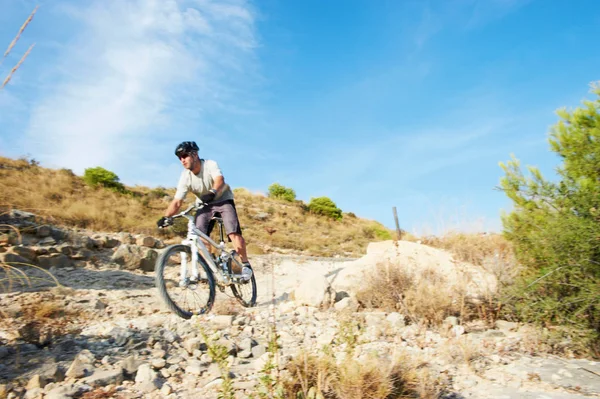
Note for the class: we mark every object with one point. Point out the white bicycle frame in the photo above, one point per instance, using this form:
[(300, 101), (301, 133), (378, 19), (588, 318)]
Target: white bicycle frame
[(194, 241)]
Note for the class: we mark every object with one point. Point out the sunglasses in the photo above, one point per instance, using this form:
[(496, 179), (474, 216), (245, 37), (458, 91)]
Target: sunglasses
[(183, 155)]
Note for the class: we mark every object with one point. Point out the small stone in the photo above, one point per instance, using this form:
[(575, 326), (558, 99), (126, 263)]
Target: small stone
[(146, 378), (457, 330), (43, 231), (192, 344), (47, 241), (79, 369), (194, 368), (35, 382), (33, 393), (158, 363), (258, 351), (166, 389), (165, 373), (147, 241), (222, 321)]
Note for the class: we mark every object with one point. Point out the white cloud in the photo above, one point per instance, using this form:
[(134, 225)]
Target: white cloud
[(461, 14), (135, 74), (486, 11)]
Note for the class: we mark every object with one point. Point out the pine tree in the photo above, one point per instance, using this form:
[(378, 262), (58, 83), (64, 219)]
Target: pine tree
[(555, 226)]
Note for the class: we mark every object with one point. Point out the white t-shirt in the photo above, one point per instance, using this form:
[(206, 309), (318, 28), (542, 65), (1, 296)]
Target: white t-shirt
[(202, 182)]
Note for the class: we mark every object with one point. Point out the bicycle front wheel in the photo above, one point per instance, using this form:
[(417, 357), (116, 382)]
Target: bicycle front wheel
[(185, 295)]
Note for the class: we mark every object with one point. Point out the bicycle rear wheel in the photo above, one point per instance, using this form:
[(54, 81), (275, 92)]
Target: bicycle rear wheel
[(185, 296), (244, 292)]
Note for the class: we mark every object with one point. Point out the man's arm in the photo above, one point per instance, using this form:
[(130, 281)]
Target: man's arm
[(173, 207), (218, 183)]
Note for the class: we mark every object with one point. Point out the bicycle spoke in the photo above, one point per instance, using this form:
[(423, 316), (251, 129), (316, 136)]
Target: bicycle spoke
[(183, 295)]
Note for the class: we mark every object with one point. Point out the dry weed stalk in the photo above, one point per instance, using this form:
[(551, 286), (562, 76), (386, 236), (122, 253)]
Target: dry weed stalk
[(16, 39), (12, 71), (12, 45), (9, 274), (13, 275), (17, 232)]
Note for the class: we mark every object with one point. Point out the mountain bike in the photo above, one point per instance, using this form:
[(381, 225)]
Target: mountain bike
[(186, 273)]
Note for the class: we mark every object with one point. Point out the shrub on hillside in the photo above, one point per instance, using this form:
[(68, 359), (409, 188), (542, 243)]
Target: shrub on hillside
[(326, 207), (278, 191), (427, 300), (377, 231), (100, 177), (312, 376), (157, 193), (554, 226)]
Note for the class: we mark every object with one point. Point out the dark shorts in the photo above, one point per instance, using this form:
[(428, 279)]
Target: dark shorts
[(228, 214)]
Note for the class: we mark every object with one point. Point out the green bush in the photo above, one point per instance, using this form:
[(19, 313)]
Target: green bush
[(278, 191), (100, 177), (555, 226), (157, 193), (326, 207), (377, 231)]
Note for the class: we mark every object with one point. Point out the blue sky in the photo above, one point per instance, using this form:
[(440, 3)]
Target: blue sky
[(374, 104)]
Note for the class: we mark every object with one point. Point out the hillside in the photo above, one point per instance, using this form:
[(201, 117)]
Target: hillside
[(269, 225)]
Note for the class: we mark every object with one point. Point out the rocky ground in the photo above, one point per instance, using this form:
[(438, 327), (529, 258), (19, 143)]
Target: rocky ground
[(103, 332)]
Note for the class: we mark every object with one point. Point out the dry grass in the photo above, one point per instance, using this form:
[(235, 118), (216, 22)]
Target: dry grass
[(461, 350), (23, 275), (60, 197), (428, 302), (41, 316), (228, 306), (298, 231), (313, 376), (49, 310), (477, 249)]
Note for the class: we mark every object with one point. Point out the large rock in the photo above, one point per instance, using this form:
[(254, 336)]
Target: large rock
[(54, 260), (133, 257), (315, 291), (43, 231), (13, 259), (26, 252), (417, 260), (146, 241), (103, 378), (109, 242)]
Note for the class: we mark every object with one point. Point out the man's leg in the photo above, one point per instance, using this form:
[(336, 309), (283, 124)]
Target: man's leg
[(203, 222), (240, 246), (234, 232)]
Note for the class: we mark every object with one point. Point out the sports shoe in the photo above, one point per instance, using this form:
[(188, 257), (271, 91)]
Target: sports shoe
[(246, 272)]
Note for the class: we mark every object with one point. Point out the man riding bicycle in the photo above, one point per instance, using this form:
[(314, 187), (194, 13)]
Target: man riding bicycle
[(205, 180)]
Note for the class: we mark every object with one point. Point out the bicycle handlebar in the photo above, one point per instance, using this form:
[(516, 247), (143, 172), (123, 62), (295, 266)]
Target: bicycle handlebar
[(188, 210), (184, 213)]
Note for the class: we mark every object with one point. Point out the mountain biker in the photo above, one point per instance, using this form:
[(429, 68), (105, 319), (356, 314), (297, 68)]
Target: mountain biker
[(205, 180)]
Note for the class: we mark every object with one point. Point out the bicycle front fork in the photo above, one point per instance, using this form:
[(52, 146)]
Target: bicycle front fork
[(184, 281)]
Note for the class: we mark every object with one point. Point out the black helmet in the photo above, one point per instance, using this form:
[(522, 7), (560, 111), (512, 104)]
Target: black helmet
[(186, 147)]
